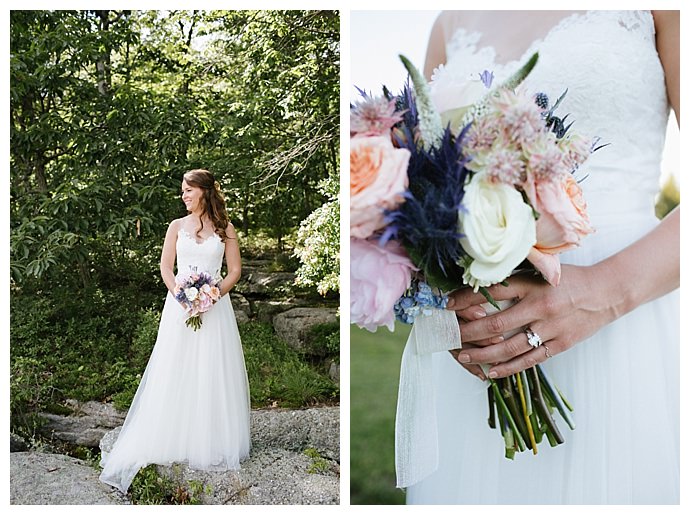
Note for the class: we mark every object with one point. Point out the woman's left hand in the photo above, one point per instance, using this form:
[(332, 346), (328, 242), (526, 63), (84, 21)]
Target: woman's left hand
[(562, 316)]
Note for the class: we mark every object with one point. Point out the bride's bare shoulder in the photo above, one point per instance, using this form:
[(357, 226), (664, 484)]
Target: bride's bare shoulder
[(443, 29)]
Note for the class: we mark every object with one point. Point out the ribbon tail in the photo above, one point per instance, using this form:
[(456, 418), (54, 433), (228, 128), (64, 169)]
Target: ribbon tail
[(416, 432)]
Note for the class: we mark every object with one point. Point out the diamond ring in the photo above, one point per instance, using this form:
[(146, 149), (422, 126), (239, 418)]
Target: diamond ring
[(532, 338)]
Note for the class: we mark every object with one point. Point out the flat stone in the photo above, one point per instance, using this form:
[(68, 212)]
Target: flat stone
[(17, 443), (88, 423), (38, 478), (241, 307)]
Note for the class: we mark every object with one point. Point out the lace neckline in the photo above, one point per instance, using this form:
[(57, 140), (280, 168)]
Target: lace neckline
[(470, 39), (191, 237), (565, 22)]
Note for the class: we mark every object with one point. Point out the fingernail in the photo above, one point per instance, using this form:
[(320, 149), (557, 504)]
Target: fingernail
[(480, 313), (493, 374), (450, 303), (463, 358), (481, 376), (497, 339)]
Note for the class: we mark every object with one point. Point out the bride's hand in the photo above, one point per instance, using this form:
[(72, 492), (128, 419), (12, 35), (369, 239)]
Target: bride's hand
[(562, 316), (467, 315)]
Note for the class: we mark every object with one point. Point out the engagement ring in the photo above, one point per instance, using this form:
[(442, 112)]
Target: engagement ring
[(532, 338)]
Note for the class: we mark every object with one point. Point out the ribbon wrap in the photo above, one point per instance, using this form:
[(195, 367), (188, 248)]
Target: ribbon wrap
[(416, 431)]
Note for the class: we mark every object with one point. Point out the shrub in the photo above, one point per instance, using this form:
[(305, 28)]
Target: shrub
[(277, 375), (318, 243), (324, 339)]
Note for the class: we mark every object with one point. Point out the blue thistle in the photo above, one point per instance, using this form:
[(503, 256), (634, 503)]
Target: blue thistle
[(554, 123), (427, 222), (542, 100)]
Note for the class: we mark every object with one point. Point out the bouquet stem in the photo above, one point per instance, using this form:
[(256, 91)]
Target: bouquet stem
[(503, 409), (542, 408), (514, 411), (194, 322), (526, 412), (492, 411), (522, 405), (556, 397)]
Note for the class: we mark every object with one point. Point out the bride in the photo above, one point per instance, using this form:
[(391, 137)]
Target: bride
[(610, 329), (192, 405)]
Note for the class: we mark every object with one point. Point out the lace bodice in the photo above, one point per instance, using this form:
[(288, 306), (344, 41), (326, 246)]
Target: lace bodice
[(607, 60), (206, 256)]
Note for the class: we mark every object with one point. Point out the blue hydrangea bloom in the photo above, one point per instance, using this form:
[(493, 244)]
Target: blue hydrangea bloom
[(419, 299)]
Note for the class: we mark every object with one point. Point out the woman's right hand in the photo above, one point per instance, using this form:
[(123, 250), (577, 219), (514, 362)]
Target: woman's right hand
[(468, 315)]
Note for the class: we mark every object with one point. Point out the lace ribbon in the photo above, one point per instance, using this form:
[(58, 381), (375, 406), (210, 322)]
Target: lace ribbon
[(416, 432)]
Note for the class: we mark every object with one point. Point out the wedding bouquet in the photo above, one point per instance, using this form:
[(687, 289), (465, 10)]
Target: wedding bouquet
[(197, 292), (466, 187)]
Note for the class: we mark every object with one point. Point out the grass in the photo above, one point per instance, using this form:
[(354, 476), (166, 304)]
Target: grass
[(375, 370)]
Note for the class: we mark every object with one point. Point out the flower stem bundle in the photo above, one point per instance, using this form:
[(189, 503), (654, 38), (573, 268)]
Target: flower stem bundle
[(524, 423)]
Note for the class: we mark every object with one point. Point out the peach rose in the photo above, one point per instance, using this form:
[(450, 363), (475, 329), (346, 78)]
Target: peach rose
[(562, 223), (378, 179)]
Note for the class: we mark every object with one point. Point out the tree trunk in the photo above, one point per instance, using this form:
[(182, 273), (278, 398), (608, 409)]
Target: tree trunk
[(245, 219), (40, 173), (84, 273), (103, 61)]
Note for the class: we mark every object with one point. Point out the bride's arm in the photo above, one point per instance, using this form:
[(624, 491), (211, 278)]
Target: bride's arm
[(232, 260), (588, 297), (436, 48), (667, 25), (167, 264)]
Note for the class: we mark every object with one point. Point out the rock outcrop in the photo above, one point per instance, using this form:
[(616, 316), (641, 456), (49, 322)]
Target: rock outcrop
[(86, 426), (293, 326), (295, 459)]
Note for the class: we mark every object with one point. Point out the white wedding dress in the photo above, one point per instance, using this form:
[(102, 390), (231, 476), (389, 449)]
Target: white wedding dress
[(192, 405), (624, 381)]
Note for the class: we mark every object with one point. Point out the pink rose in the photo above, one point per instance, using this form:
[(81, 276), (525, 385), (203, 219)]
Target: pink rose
[(378, 277), (378, 178), (562, 222)]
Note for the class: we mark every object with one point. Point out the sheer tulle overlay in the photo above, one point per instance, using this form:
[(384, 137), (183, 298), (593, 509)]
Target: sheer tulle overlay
[(624, 381), (192, 405)]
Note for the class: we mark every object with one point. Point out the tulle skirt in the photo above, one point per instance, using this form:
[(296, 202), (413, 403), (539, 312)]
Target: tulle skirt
[(623, 383), (192, 405)]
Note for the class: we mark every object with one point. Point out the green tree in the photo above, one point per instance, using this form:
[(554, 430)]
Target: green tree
[(109, 108)]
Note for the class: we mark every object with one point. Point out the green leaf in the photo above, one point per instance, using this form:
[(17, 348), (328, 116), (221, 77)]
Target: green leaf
[(521, 74), (430, 125)]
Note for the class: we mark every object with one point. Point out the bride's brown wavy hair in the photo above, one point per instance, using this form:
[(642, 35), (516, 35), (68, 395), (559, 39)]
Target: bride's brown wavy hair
[(212, 200)]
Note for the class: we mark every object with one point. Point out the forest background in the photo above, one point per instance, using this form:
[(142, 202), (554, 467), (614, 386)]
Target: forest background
[(108, 109)]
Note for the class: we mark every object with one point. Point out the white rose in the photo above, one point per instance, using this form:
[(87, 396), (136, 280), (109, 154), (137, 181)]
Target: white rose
[(191, 293), (447, 93), (498, 230)]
